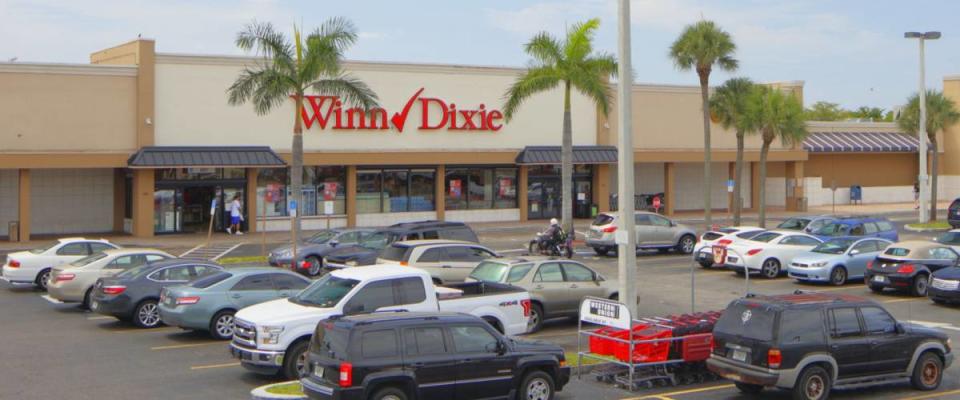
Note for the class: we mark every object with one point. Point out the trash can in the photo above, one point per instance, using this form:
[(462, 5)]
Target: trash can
[(856, 194), (13, 231), (594, 210)]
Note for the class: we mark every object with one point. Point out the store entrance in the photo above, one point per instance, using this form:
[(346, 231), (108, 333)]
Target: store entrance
[(186, 209), (545, 189)]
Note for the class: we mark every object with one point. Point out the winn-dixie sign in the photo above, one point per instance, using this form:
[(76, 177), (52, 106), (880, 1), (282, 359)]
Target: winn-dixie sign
[(435, 114)]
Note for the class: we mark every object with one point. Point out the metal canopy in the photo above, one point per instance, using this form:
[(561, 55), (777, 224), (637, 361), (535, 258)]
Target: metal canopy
[(546, 155), (205, 156), (860, 142)]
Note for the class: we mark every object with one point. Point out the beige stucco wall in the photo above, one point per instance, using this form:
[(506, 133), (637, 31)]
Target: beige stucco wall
[(67, 108), (950, 161), (192, 109)]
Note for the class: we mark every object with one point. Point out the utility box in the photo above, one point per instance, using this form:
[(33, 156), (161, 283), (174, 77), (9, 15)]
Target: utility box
[(856, 194), (13, 231)]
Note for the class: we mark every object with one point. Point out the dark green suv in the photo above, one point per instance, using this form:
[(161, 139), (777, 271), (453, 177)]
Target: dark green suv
[(810, 343)]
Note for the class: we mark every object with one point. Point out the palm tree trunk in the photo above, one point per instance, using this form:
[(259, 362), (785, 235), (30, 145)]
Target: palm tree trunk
[(737, 174), (566, 164), (762, 210), (296, 171), (933, 174), (707, 180)]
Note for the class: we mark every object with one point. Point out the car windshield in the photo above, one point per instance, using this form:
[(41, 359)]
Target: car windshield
[(711, 235), (210, 280), (835, 246), (795, 224), (490, 271), (88, 259), (376, 241), (948, 238), (322, 237), (765, 237), (748, 320), (602, 220), (43, 249), (325, 292), (834, 229)]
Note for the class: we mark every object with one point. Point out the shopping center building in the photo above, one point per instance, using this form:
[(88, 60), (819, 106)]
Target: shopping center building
[(145, 143)]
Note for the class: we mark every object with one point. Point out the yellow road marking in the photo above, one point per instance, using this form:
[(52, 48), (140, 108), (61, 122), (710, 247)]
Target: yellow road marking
[(932, 395), (233, 364), (903, 300), (559, 334), (145, 330), (99, 318), (681, 392), (763, 280), (187, 346)]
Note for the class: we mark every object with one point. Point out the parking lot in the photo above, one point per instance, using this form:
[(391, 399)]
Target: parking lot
[(60, 351)]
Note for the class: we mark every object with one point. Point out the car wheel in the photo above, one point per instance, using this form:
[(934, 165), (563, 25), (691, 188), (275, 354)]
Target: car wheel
[(221, 326), (601, 251), (316, 266), (536, 318), (537, 385), (86, 299), (919, 287), (390, 393), (939, 301), (533, 248), (814, 384), (928, 372), (748, 388), (147, 314), (686, 244), (770, 268), (42, 279), (838, 277), (295, 361), (705, 264), (875, 289)]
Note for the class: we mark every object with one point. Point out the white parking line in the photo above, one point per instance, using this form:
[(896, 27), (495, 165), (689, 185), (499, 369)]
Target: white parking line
[(939, 325), (510, 250), (99, 318), (51, 299)]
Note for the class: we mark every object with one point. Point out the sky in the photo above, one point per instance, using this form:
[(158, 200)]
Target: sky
[(850, 52)]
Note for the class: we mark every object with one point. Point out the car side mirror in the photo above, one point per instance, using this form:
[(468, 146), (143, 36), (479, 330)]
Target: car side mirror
[(498, 347), (854, 252), (333, 243), (900, 328), (351, 309)]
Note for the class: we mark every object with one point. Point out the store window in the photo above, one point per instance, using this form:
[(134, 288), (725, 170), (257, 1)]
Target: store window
[(480, 188), (323, 188), (395, 190), (422, 189), (331, 185), (272, 192)]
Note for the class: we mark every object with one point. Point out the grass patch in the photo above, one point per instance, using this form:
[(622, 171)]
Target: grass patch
[(242, 260), (931, 225), (291, 388), (571, 357)]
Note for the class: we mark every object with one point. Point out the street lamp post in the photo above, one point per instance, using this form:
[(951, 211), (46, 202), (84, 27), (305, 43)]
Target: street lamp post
[(625, 234), (924, 216)]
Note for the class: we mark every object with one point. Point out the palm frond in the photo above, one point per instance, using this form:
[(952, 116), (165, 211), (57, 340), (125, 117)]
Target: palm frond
[(351, 91), (702, 45), (535, 80), (266, 88), (591, 84), (729, 104), (544, 48), (266, 42), (579, 41), (941, 112)]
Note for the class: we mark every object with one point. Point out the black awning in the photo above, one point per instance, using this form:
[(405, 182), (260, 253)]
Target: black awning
[(581, 155), (205, 156)]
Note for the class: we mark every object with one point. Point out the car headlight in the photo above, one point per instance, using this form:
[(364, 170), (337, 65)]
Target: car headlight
[(352, 263), (948, 345), (820, 264), (270, 334)]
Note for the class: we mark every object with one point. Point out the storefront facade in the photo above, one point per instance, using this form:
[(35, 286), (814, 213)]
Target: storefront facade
[(147, 144)]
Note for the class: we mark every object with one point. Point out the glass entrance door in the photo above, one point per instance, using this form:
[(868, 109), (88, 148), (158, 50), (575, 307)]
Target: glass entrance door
[(544, 198), (167, 216), (583, 197), (226, 198)]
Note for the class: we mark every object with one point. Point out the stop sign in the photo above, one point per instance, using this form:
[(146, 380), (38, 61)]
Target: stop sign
[(656, 202)]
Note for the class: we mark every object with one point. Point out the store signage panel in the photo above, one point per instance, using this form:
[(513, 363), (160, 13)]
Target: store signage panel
[(435, 114)]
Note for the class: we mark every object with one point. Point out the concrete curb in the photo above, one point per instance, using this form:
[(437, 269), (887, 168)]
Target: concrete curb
[(261, 393), (911, 229)]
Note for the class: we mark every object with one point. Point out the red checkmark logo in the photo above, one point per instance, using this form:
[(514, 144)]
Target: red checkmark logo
[(400, 118)]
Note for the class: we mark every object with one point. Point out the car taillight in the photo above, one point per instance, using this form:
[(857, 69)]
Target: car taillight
[(906, 269), (774, 358), (14, 264), (64, 277), (870, 264), (346, 374), (188, 300), (304, 265), (609, 229), (724, 242), (526, 307), (753, 251), (114, 289), (404, 263)]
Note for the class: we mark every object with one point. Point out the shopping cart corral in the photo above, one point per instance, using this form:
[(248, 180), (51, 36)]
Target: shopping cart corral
[(644, 352)]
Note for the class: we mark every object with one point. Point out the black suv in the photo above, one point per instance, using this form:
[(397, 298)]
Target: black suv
[(427, 356), (366, 251), (812, 342)]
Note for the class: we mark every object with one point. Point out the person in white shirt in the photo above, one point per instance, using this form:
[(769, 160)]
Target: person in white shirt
[(236, 215)]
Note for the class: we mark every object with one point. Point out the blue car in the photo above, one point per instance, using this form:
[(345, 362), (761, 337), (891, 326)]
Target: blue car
[(858, 227), (836, 261)]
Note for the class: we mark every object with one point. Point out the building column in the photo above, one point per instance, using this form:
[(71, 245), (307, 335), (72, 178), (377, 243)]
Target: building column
[(251, 200), (522, 193), (439, 192), (24, 205), (601, 187), (143, 213), (754, 186), (351, 196), (794, 174), (119, 194), (669, 188)]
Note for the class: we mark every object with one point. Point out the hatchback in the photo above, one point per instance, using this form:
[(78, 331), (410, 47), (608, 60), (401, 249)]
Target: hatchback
[(654, 232), (447, 261), (858, 227)]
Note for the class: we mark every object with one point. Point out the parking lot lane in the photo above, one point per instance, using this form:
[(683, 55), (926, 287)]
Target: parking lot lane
[(669, 395), (937, 395), (213, 366), (189, 345)]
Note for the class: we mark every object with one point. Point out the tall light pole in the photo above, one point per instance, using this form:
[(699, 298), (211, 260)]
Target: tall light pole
[(626, 235), (924, 216)]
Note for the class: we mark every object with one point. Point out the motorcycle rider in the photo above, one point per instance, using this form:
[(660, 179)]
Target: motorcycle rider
[(552, 235)]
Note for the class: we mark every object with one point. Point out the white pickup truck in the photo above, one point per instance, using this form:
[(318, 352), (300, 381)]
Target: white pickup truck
[(272, 337)]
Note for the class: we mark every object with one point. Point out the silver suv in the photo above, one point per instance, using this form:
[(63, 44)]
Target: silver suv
[(654, 231)]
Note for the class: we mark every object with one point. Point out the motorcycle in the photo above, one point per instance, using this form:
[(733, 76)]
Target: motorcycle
[(563, 247)]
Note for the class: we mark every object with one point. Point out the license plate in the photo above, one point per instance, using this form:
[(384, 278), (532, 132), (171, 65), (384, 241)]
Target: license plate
[(879, 279), (740, 355), (318, 372), (732, 259)]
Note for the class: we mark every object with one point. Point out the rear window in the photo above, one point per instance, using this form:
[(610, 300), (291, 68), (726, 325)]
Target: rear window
[(949, 238), (748, 235), (765, 237), (885, 226), (748, 320), (330, 342), (459, 233), (602, 219), (897, 251), (396, 253), (210, 280), (711, 236), (489, 271)]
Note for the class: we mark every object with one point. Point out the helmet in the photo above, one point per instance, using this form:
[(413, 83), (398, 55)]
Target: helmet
[(553, 221)]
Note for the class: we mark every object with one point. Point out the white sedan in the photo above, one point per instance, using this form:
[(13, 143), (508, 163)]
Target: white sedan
[(703, 252), (34, 266), (767, 253)]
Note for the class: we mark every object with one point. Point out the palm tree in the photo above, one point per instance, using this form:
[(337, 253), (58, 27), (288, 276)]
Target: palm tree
[(288, 70), (870, 113), (574, 64), (729, 104), (777, 115), (699, 47), (941, 113)]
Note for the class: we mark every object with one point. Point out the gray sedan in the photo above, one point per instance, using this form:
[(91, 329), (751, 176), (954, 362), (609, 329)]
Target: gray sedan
[(837, 260), (556, 286), (312, 252)]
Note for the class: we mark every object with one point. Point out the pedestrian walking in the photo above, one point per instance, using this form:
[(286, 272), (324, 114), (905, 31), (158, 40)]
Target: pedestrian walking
[(236, 215), (916, 195)]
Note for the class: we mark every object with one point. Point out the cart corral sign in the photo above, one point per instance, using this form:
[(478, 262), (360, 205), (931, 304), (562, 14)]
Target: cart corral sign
[(605, 312)]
